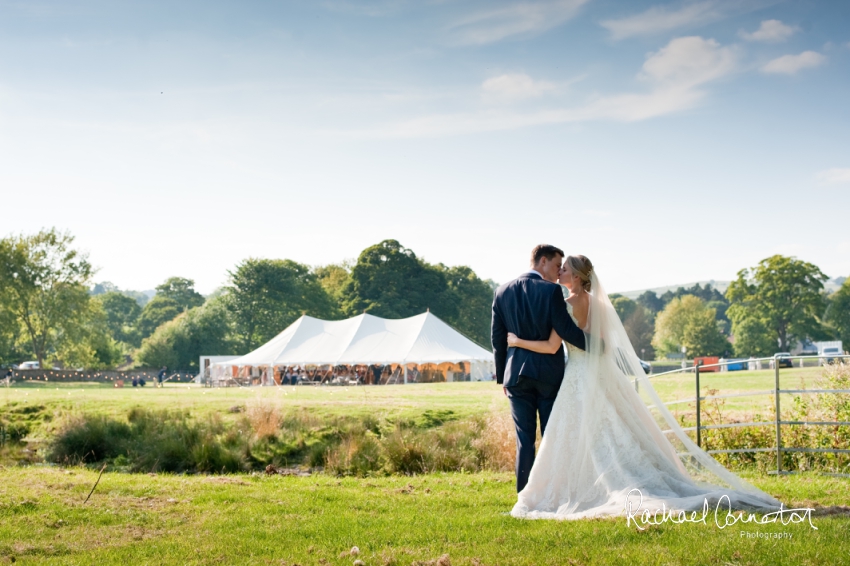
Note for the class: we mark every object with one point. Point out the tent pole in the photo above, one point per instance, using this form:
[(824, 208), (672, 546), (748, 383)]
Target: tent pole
[(405, 374)]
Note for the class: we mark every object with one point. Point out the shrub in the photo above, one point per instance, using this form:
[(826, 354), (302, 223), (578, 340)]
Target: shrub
[(88, 438), (357, 454), (150, 441)]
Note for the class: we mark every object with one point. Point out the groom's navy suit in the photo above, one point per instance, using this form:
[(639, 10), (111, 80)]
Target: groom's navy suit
[(530, 307)]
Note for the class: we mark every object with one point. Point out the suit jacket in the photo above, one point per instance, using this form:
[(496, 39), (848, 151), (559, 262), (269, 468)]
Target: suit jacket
[(530, 307)]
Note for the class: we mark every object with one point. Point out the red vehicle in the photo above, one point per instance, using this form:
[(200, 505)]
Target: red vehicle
[(707, 361)]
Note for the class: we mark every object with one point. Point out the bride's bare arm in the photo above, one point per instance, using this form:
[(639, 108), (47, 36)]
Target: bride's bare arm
[(550, 346)]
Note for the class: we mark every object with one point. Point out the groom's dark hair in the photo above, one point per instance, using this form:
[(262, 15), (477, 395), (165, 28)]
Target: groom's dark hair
[(544, 250)]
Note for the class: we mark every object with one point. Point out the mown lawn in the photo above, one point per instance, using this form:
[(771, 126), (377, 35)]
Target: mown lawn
[(405, 401), (244, 519)]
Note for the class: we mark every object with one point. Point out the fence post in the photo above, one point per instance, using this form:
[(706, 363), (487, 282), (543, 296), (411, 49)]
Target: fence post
[(778, 426), (699, 410)]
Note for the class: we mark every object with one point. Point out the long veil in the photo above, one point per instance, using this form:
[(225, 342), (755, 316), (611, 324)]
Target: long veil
[(613, 365)]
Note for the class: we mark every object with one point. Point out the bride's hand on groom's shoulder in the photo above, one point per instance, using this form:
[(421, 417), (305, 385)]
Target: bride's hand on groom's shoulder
[(512, 339)]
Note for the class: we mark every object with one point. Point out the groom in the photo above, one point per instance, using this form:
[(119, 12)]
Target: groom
[(530, 306)]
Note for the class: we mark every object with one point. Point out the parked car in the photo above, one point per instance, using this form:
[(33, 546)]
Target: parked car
[(783, 359), (737, 364), (830, 351), (647, 368), (29, 365)]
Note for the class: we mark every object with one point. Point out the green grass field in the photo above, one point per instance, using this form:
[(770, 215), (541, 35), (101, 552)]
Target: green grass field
[(436, 518), (464, 399), (677, 387), (242, 519)]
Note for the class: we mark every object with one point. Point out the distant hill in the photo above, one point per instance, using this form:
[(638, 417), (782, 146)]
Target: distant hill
[(830, 286), (141, 297), (719, 285)]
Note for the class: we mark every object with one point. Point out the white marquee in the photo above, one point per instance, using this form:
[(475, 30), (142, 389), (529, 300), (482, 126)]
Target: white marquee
[(366, 339)]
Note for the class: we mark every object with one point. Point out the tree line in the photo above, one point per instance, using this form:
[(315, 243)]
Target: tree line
[(51, 312), (768, 308)]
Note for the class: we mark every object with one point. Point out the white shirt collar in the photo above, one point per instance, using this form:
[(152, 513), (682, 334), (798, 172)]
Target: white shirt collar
[(537, 272)]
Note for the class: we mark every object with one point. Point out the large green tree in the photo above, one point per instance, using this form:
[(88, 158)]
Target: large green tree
[(181, 291), (179, 343), (651, 302), (687, 321), (753, 338), (388, 280), (638, 323), (122, 313), (88, 343), (11, 351), (334, 279), (783, 294), (472, 300), (44, 283), (267, 295), (159, 310), (838, 313)]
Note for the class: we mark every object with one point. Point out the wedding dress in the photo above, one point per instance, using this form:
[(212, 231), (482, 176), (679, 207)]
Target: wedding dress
[(603, 440)]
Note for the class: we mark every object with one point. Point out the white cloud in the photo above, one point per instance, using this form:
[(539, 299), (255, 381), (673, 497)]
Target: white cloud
[(835, 176), (659, 19), (770, 31), (517, 19), (791, 64), (675, 74), (512, 87), (689, 61)]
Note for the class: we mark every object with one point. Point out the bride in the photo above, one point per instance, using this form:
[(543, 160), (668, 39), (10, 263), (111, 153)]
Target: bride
[(602, 440)]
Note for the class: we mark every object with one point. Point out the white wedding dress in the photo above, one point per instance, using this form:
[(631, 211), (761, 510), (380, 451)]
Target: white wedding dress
[(603, 440)]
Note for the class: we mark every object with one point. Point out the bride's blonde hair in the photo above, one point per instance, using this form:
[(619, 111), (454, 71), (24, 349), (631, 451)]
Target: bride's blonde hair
[(582, 267)]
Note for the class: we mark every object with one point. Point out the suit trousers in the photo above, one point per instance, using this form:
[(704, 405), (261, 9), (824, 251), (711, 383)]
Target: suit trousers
[(529, 398)]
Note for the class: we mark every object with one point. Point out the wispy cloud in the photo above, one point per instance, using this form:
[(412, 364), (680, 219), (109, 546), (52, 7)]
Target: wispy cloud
[(512, 87), (771, 31), (792, 64), (659, 19), (676, 74), (835, 176), (516, 19)]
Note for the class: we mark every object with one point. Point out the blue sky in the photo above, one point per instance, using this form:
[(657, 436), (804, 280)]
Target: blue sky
[(668, 141)]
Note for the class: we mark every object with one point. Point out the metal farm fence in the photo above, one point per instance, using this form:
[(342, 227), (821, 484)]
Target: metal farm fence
[(777, 422)]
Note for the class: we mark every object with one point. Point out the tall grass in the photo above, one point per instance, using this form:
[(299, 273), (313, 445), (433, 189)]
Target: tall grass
[(149, 441), (263, 434), (820, 407), (174, 441)]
